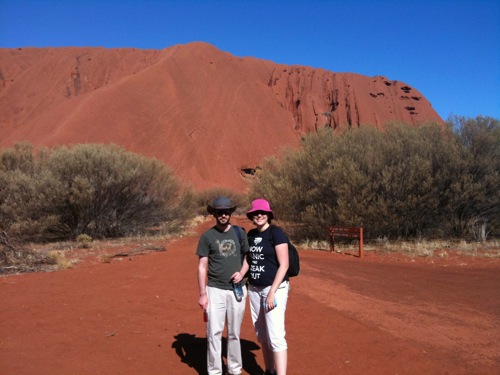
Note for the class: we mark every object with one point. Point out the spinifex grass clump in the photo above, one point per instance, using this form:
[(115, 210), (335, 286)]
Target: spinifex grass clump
[(84, 241)]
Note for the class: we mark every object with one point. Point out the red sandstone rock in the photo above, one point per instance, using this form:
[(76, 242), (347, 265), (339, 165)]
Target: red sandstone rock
[(205, 113)]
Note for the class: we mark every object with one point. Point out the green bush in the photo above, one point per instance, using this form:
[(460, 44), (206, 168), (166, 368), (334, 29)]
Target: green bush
[(403, 182), (101, 191), (477, 210), (25, 193)]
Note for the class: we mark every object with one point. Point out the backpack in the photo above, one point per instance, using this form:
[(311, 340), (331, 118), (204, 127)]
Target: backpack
[(293, 256)]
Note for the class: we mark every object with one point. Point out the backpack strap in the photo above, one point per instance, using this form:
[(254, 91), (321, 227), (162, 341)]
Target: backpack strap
[(238, 234), (237, 229), (271, 227)]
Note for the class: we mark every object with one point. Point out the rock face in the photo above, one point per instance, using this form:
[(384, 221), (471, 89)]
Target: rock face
[(208, 115)]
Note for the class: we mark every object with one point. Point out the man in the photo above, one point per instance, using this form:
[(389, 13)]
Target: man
[(221, 251)]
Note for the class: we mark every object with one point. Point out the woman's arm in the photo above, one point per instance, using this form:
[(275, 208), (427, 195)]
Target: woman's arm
[(282, 256)]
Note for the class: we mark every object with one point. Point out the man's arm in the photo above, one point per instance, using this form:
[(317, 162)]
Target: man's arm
[(238, 276), (202, 282)]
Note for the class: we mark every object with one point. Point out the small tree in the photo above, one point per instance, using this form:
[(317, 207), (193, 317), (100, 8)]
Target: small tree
[(478, 207), (109, 192)]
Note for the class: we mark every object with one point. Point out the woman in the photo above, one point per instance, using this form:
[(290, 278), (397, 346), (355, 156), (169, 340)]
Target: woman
[(267, 263)]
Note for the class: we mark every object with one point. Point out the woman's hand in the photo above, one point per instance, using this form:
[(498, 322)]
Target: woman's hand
[(270, 302)]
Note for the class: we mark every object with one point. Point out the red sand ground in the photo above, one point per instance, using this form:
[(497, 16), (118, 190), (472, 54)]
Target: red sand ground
[(139, 315)]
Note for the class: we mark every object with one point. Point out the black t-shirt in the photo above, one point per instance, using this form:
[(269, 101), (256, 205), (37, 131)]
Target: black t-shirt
[(262, 256)]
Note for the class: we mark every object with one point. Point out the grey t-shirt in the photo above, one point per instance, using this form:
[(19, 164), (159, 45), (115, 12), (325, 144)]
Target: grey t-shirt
[(225, 255)]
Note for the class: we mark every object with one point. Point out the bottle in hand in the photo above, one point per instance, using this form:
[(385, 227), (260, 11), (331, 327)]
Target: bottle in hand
[(238, 291)]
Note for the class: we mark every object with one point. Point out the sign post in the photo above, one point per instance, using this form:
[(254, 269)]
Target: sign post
[(346, 232)]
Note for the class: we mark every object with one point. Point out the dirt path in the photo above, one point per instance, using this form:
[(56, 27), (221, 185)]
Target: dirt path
[(139, 315)]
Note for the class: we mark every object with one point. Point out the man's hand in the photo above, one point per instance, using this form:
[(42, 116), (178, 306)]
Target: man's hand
[(237, 277), (203, 301)]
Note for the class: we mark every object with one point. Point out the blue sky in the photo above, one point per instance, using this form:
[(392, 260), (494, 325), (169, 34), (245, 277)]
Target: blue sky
[(448, 50)]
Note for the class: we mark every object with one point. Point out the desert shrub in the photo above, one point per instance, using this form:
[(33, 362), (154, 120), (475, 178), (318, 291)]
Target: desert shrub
[(477, 210), (179, 215), (402, 182), (25, 194), (109, 192), (205, 197), (101, 191), (18, 158)]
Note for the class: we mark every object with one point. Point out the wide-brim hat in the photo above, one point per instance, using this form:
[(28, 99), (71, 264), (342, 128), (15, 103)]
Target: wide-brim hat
[(220, 203), (260, 205)]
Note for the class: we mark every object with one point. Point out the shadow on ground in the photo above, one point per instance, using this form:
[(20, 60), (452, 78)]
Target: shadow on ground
[(192, 351)]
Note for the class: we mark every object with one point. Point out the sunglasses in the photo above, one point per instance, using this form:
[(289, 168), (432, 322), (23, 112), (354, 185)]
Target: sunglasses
[(223, 212), (257, 213)]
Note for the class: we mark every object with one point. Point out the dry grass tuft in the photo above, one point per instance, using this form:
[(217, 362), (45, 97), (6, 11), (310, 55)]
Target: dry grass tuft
[(440, 248), (17, 257), (60, 259), (421, 248), (315, 245), (84, 241)]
